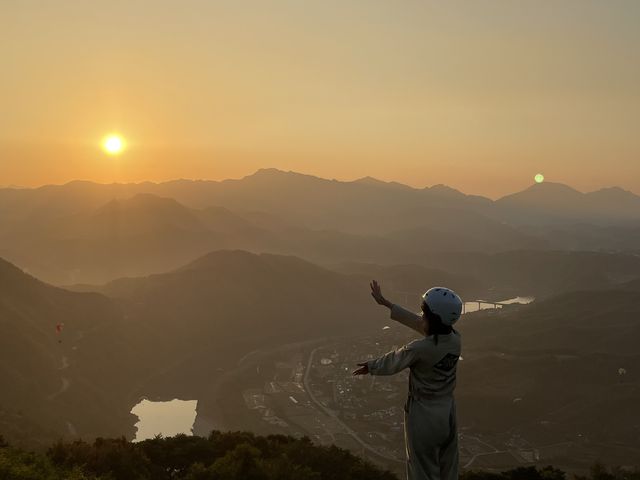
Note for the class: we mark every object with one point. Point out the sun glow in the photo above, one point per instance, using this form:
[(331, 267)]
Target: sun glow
[(113, 144)]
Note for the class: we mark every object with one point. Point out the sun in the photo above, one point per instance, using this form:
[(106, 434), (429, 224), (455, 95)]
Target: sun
[(539, 178), (113, 144)]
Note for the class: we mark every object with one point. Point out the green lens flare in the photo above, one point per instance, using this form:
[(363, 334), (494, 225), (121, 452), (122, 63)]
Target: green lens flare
[(539, 178)]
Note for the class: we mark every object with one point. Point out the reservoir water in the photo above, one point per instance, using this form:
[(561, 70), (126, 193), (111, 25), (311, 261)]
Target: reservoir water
[(165, 418), (178, 416), (412, 301), (476, 305)]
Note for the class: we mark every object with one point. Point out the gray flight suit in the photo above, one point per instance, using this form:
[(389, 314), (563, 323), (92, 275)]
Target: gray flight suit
[(430, 412)]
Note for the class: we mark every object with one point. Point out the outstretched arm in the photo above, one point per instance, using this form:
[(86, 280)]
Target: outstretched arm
[(402, 315), (408, 319), (390, 363)]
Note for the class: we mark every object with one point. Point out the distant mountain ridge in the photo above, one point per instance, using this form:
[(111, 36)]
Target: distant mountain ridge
[(555, 203), (83, 232), (145, 234), (545, 202), (273, 173)]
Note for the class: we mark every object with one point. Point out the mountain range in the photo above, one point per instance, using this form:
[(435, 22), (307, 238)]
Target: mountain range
[(322, 203), (55, 344), (83, 232), (167, 286), (160, 334)]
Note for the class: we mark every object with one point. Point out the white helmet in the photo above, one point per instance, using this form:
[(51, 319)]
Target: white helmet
[(445, 303)]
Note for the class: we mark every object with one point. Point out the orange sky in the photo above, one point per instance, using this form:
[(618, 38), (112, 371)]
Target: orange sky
[(477, 95)]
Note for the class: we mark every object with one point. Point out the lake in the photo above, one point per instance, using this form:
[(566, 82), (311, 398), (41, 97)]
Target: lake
[(165, 418), (482, 305), (178, 416)]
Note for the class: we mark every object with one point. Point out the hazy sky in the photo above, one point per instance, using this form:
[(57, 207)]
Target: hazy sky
[(479, 95)]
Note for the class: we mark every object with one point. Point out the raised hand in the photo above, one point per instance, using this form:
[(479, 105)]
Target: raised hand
[(362, 370), (376, 293)]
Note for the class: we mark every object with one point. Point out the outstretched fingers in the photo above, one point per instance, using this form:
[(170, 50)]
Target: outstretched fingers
[(362, 370)]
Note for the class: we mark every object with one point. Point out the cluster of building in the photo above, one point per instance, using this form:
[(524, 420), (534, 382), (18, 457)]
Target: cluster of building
[(314, 393)]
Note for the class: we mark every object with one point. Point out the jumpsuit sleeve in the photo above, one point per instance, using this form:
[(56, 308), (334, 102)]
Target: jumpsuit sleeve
[(394, 361), (407, 318)]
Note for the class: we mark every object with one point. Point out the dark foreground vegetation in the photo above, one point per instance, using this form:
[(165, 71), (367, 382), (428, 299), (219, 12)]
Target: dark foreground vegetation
[(221, 456), (597, 472), (226, 456)]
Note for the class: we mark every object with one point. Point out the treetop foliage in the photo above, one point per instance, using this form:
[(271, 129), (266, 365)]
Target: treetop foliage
[(227, 456)]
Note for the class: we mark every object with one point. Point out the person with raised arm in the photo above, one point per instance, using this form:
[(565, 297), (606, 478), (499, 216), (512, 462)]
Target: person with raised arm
[(430, 427)]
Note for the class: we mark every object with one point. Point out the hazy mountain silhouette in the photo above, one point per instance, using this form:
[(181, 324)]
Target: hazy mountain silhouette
[(451, 230), (146, 234), (561, 357), (127, 237), (584, 321), (159, 335), (552, 203), (195, 303), (251, 300), (321, 203), (65, 381), (301, 199), (362, 206), (49, 202), (539, 273), (205, 316), (227, 302), (86, 232), (163, 334), (407, 282), (584, 236)]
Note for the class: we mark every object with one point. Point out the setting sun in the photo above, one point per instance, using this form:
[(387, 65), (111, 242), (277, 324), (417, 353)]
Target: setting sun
[(113, 144)]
